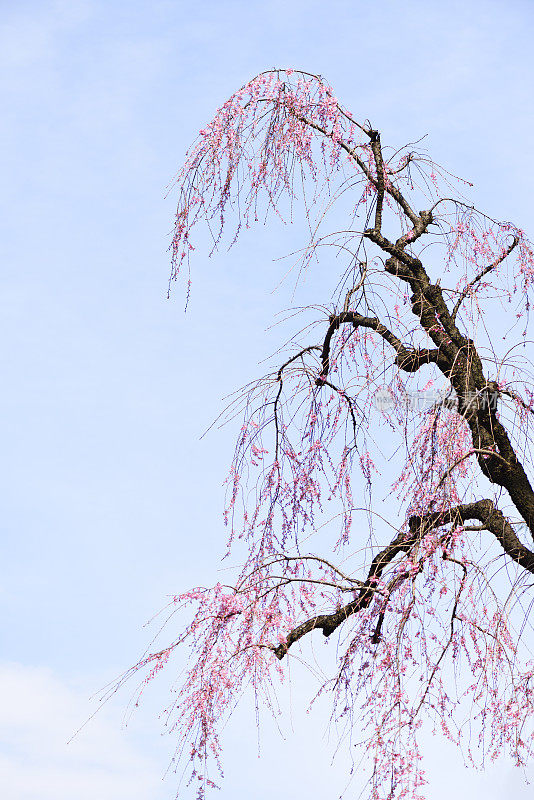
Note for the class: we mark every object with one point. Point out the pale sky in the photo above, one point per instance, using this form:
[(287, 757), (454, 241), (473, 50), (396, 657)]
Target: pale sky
[(111, 501)]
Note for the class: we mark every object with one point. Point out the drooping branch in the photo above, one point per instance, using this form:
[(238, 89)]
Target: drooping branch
[(481, 274), (279, 379)]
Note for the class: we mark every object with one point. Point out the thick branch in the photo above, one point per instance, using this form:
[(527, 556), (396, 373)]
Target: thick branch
[(377, 153), (460, 363), (329, 622), (407, 359), (485, 511), (492, 519)]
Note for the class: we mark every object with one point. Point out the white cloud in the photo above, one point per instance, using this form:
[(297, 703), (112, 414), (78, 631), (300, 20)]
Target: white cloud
[(38, 715)]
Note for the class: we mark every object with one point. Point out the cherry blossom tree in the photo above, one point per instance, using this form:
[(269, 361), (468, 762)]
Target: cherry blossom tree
[(380, 491)]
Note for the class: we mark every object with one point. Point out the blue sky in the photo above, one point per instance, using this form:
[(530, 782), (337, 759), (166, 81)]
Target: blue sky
[(111, 501)]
